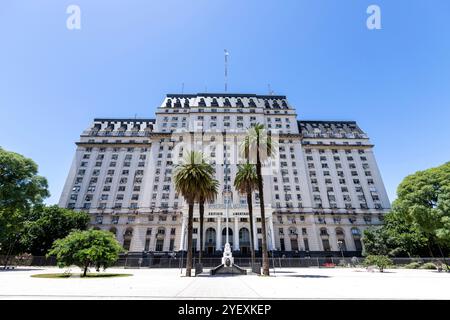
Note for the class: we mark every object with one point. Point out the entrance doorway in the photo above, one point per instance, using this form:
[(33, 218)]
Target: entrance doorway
[(244, 241), (210, 240)]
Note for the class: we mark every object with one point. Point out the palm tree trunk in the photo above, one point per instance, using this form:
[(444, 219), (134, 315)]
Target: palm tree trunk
[(252, 227), (202, 213), (189, 240), (265, 254)]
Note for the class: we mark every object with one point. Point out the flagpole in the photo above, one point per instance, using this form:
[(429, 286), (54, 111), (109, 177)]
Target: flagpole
[(226, 69)]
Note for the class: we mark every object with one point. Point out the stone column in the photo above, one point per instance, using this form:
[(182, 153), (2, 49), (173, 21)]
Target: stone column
[(183, 231), (255, 234), (138, 240), (333, 239), (219, 234), (236, 234), (272, 233), (119, 235)]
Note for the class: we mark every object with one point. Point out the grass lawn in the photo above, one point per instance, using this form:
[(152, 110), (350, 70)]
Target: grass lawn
[(79, 275)]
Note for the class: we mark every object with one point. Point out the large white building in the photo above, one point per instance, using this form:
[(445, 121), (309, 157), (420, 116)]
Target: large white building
[(321, 190)]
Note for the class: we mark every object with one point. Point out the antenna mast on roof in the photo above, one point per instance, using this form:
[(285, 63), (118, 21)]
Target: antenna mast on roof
[(182, 88), (270, 90), (226, 69)]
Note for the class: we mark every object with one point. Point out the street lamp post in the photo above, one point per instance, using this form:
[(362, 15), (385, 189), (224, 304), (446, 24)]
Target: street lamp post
[(182, 251), (269, 231), (340, 247)]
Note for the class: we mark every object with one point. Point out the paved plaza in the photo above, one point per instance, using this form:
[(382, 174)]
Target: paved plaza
[(298, 283)]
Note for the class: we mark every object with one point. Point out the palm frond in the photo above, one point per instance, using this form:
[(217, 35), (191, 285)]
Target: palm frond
[(249, 146), (194, 178), (246, 178)]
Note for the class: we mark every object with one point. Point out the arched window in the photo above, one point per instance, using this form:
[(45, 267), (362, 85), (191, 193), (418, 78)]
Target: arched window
[(339, 232), (275, 104), (127, 238), (210, 236), (224, 232), (357, 239), (230, 236), (128, 232), (244, 235)]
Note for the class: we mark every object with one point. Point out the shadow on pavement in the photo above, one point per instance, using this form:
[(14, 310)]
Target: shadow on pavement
[(306, 276), (19, 269)]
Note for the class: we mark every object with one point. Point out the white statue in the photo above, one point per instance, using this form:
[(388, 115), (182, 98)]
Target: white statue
[(227, 259)]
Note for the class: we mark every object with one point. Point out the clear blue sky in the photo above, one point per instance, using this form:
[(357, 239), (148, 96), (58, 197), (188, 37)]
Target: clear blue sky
[(394, 82)]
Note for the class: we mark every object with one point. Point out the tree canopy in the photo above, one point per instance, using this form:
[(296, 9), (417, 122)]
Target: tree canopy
[(424, 200), (49, 224), (21, 190), (91, 248), (194, 177), (419, 222)]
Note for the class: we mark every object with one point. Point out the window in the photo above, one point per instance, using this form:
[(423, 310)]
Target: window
[(159, 245), (306, 244)]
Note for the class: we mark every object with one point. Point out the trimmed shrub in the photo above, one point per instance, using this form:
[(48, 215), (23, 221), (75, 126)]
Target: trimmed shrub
[(428, 266), (412, 265), (381, 262)]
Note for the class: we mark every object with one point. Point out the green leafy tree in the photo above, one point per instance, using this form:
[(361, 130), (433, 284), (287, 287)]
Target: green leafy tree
[(375, 242), (48, 224), (403, 237), (443, 208), (397, 237), (246, 181), (423, 199), (258, 147), (380, 261), (85, 249), (193, 179), (21, 190)]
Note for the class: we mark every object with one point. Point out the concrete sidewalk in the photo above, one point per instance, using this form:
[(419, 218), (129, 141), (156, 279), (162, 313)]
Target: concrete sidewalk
[(299, 283)]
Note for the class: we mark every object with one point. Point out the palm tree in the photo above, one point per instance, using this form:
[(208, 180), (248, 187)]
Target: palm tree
[(192, 178), (209, 194), (246, 181), (258, 144)]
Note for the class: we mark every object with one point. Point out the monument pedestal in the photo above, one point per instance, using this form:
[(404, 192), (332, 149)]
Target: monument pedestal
[(227, 266)]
